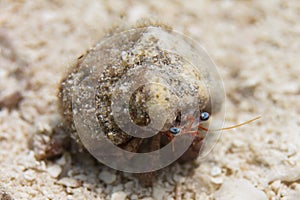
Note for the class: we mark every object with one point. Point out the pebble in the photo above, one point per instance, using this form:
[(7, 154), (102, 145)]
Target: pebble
[(69, 182), (159, 192), (29, 175), (237, 189), (218, 180), (134, 197), (129, 185), (276, 185), (62, 160), (119, 196), (29, 162), (54, 170), (107, 177), (215, 171), (238, 143)]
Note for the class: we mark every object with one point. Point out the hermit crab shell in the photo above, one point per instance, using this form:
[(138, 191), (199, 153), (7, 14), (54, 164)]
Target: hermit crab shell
[(135, 84)]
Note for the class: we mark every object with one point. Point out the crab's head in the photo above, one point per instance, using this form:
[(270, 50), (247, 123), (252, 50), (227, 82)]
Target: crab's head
[(190, 126)]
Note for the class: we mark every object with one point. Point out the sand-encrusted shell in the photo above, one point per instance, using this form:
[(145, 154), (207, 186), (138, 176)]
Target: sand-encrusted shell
[(140, 80)]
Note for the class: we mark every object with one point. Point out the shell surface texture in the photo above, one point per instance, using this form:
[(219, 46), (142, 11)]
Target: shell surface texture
[(134, 98)]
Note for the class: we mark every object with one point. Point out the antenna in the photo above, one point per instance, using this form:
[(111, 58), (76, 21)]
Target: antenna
[(231, 127)]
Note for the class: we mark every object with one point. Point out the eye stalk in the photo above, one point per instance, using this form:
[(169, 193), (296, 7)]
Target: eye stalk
[(204, 116), (174, 130)]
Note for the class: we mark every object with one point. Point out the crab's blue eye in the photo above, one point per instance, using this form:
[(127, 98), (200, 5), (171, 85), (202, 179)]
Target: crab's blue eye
[(204, 116), (174, 130)]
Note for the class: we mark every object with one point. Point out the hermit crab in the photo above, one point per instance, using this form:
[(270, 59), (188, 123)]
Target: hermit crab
[(139, 100)]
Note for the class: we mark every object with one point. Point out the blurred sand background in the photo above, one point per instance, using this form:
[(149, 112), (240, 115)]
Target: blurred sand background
[(256, 45)]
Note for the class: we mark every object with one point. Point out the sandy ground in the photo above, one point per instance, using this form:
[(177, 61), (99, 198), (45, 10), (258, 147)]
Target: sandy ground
[(256, 45)]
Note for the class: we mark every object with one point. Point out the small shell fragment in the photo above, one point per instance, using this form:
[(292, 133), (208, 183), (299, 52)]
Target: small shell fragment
[(215, 171), (217, 180)]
